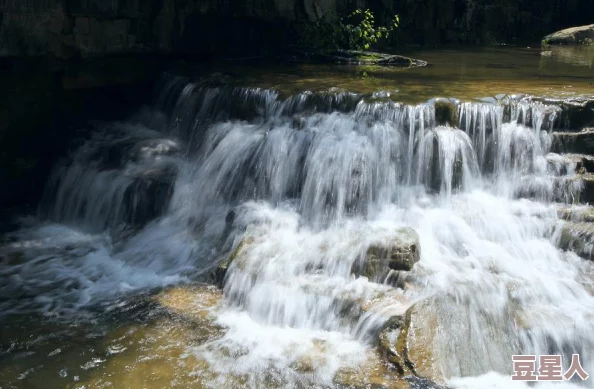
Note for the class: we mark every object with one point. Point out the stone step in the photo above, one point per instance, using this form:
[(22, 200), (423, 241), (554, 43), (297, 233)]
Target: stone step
[(576, 232), (586, 194), (582, 213), (571, 189), (568, 164), (581, 142), (577, 237), (574, 113)]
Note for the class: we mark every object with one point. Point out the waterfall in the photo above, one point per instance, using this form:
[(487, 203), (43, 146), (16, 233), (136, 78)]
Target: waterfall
[(299, 188)]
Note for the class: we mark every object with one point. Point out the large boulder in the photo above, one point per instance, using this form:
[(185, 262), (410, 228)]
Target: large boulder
[(447, 335), (571, 36), (398, 252)]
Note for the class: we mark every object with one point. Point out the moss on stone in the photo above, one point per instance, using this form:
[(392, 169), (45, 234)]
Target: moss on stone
[(221, 272), (446, 113)]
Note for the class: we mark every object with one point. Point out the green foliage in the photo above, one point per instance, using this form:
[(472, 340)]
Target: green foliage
[(357, 32), (363, 34)]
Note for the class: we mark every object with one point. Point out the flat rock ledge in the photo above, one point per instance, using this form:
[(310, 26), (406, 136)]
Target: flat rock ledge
[(359, 58), (581, 35)]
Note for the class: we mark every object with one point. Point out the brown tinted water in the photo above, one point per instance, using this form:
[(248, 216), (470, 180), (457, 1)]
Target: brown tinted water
[(463, 74)]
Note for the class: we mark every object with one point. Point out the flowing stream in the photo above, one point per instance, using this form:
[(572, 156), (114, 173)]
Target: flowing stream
[(299, 188)]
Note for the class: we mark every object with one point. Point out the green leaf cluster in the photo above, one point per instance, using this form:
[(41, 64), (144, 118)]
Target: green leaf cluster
[(358, 31)]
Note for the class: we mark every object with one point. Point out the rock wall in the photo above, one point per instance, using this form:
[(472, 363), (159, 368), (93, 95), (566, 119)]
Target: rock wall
[(67, 28)]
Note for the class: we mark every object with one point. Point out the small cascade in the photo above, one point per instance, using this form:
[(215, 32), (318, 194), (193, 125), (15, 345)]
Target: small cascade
[(122, 175), (480, 122), (447, 162), (298, 196)]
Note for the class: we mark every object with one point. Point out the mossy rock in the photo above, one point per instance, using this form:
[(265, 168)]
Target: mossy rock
[(406, 341), (388, 344), (359, 58), (446, 113), (221, 271)]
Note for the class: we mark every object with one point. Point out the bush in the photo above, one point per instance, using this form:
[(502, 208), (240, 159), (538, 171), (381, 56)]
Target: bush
[(358, 32), (364, 34)]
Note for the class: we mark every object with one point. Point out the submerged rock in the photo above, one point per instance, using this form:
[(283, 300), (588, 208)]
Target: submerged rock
[(373, 373), (354, 57), (400, 252), (583, 35)]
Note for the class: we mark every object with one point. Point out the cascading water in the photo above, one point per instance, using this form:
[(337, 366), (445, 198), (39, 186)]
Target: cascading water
[(299, 189)]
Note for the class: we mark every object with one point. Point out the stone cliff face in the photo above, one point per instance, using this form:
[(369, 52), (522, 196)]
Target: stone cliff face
[(67, 28)]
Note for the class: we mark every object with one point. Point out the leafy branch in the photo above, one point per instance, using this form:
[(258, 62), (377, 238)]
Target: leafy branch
[(364, 34), (357, 32)]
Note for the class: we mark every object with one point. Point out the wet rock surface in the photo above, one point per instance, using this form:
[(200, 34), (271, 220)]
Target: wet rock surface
[(581, 35), (576, 214), (220, 272), (361, 58), (446, 113), (577, 237), (574, 142)]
